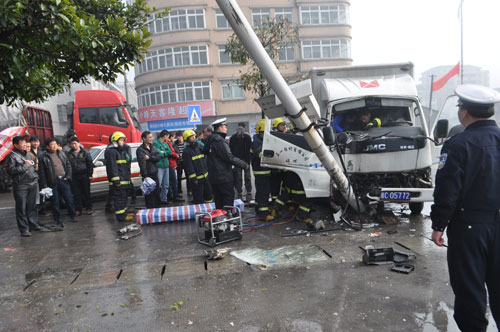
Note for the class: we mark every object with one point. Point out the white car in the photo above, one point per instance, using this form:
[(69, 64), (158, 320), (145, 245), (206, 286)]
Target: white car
[(100, 181)]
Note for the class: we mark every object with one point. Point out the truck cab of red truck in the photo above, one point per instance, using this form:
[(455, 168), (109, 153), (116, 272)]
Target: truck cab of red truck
[(99, 113)]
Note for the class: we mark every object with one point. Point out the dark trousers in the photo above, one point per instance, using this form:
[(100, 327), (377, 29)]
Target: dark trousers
[(120, 196), (131, 192), (26, 211), (80, 187), (262, 192), (293, 190), (172, 181), (180, 169), (473, 261), (62, 189), (223, 194), (153, 199), (276, 182), (202, 191), (238, 180)]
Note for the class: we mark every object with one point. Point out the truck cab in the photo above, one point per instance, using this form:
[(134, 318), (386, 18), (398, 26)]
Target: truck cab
[(388, 162), (99, 113)]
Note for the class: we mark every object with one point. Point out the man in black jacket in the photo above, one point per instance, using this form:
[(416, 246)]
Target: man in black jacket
[(147, 157), (83, 168), (240, 144), (220, 161), (55, 172), (21, 168)]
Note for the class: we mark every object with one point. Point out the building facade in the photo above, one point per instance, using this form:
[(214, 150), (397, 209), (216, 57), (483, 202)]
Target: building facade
[(186, 65)]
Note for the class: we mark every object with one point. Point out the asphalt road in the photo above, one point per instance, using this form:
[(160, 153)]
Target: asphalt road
[(86, 279)]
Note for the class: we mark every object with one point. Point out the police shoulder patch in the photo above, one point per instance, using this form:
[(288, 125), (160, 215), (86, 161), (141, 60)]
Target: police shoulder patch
[(442, 160)]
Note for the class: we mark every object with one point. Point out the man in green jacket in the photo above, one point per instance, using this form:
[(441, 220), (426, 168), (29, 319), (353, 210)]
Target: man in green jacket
[(163, 170)]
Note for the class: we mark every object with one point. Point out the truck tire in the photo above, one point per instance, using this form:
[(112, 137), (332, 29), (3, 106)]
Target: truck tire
[(416, 208)]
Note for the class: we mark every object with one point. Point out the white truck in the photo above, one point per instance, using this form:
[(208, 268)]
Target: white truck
[(390, 163)]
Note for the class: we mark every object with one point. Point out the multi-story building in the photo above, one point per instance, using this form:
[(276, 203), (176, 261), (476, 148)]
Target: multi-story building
[(186, 64)]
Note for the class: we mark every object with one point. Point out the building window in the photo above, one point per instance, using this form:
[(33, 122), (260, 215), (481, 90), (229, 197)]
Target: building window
[(223, 57), (174, 93), (62, 114), (177, 20), (232, 89), (174, 57), (260, 15), (316, 15), (326, 49), (286, 53), (221, 21), (283, 13)]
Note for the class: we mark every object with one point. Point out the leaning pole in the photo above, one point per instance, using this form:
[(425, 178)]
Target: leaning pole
[(251, 42)]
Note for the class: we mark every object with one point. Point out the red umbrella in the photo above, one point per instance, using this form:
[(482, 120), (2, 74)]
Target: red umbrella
[(6, 137)]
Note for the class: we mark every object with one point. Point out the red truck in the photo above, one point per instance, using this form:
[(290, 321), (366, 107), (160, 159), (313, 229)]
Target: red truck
[(96, 114)]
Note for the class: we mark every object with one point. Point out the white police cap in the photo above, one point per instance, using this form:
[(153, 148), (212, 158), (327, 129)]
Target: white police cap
[(477, 94), (219, 122)]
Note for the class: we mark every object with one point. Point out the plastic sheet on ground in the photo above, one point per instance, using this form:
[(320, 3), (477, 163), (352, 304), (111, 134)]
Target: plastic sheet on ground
[(287, 256)]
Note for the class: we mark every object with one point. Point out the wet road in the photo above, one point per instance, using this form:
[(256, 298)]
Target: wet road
[(85, 279)]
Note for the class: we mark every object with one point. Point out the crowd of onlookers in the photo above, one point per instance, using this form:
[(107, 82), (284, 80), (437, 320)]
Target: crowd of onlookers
[(64, 170)]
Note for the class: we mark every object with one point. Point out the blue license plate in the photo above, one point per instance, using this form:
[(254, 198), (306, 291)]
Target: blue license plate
[(395, 195)]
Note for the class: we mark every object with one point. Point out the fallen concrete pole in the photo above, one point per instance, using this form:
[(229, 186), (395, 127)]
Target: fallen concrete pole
[(251, 42)]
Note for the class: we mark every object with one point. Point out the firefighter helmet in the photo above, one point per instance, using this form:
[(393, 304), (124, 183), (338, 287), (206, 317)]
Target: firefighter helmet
[(116, 136), (260, 125), (188, 133), (277, 122)]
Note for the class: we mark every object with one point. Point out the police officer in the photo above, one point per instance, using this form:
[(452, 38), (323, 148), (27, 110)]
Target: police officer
[(118, 173), (467, 202), (261, 174), (195, 166), (220, 161)]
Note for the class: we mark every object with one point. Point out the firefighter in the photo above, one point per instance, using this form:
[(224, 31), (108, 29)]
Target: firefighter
[(118, 172), (367, 122), (220, 161), (277, 176), (261, 174), (195, 165)]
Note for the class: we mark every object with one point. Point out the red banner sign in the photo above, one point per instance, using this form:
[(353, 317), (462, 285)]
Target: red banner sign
[(175, 111)]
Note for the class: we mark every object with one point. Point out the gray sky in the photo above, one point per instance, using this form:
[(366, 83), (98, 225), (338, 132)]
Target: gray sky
[(427, 32)]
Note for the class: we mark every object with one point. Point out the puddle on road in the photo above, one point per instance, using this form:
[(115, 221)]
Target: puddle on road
[(287, 256), (440, 319)]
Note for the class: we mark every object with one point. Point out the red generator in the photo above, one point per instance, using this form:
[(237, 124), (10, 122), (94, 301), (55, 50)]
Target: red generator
[(219, 226)]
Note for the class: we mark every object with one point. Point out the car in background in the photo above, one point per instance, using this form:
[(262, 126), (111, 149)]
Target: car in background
[(100, 183)]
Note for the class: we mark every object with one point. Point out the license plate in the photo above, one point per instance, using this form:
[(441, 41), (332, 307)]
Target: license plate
[(395, 195)]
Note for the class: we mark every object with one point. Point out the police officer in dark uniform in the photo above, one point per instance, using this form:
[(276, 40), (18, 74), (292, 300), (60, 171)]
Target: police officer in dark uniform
[(220, 162), (118, 172), (467, 202), (195, 166), (261, 174)]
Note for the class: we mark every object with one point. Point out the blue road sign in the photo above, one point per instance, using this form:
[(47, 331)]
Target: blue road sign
[(194, 114)]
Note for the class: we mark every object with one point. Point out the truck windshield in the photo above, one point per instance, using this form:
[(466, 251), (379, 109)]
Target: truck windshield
[(111, 116), (356, 115)]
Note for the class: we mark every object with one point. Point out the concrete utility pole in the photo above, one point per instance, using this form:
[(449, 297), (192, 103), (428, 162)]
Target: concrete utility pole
[(249, 39)]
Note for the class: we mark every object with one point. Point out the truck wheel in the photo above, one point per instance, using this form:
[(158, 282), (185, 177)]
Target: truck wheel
[(416, 208)]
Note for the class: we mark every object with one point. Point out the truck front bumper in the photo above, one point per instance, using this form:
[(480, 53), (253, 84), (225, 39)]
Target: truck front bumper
[(404, 195)]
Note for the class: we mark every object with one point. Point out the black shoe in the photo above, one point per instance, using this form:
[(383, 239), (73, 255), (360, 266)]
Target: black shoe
[(177, 200), (73, 219), (44, 214), (44, 229), (56, 228), (26, 234)]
